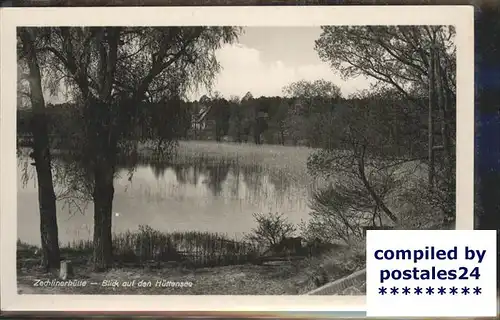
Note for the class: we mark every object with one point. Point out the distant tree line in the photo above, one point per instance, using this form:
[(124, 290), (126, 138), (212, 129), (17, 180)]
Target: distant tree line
[(308, 114)]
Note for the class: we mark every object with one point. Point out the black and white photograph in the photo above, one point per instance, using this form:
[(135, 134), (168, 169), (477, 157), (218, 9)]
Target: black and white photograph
[(215, 159)]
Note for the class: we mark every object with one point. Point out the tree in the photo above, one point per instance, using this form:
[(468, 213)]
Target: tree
[(271, 229), (236, 119), (258, 111), (362, 140), (41, 149), (310, 90), (370, 172), (113, 71), (220, 113), (415, 61), (310, 102), (249, 115), (164, 122), (279, 111), (267, 128)]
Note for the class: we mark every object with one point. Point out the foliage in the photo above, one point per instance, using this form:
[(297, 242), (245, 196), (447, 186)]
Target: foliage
[(159, 64), (375, 167), (363, 179), (394, 56), (220, 113), (237, 125), (311, 97), (271, 229), (310, 103), (128, 90), (269, 120), (149, 246), (418, 63), (119, 79)]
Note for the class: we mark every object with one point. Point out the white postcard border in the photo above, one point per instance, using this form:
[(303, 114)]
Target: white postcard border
[(459, 16)]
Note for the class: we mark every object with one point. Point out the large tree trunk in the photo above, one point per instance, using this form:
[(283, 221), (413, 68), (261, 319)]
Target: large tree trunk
[(41, 155), (104, 149), (104, 142), (103, 202)]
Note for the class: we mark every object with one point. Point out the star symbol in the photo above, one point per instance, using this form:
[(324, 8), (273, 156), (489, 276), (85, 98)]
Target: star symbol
[(442, 290), (453, 290), (382, 290), (418, 290), (406, 290), (465, 290), (430, 290), (394, 291), (477, 291)]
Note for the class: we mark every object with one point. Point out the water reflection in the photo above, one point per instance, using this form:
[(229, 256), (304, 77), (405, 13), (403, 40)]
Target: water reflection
[(216, 175), (201, 194)]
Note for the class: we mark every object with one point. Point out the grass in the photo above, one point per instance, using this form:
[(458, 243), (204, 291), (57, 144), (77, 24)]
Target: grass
[(284, 158), (294, 156), (285, 162), (190, 249), (294, 277), (243, 151)]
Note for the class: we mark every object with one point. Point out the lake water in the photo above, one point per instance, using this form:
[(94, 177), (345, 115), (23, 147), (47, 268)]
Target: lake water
[(215, 196)]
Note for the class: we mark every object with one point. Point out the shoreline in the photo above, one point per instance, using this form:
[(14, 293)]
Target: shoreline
[(246, 278)]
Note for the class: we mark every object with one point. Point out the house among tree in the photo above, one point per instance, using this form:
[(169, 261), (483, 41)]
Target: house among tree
[(262, 115), (202, 126)]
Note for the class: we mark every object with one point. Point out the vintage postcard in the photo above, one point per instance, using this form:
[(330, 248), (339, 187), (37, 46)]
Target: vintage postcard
[(198, 152)]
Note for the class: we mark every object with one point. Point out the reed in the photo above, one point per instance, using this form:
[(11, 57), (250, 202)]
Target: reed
[(190, 249)]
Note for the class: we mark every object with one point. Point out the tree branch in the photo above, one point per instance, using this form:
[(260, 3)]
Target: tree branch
[(369, 188), (158, 66), (380, 42)]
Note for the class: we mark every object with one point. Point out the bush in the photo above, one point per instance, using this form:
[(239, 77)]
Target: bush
[(271, 229)]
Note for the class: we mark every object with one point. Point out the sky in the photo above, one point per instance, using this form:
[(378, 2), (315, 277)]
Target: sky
[(265, 59), (268, 58)]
